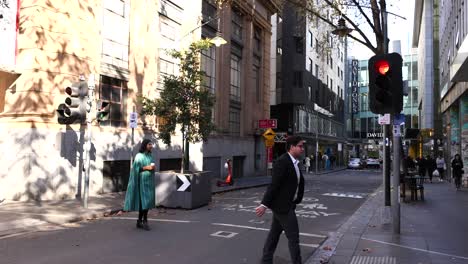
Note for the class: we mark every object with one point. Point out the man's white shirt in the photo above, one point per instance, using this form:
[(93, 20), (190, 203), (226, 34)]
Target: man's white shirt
[(298, 173)]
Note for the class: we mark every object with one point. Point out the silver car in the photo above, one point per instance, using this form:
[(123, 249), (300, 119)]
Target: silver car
[(355, 163)]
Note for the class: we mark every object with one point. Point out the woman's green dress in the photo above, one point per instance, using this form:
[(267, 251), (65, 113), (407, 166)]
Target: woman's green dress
[(140, 185)]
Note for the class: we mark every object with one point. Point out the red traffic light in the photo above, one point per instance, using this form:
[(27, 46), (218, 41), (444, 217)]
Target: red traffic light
[(382, 66)]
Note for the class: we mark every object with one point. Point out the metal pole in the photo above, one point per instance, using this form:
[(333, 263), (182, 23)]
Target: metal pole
[(396, 180), (316, 144), (133, 143), (88, 138)]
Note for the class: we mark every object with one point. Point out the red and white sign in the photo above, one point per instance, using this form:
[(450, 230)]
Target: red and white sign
[(9, 13), (267, 123)]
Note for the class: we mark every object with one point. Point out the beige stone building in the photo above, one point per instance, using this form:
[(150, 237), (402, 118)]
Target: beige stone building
[(123, 44)]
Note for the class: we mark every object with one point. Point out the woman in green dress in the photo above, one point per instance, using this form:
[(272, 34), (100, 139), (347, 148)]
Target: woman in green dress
[(140, 194)]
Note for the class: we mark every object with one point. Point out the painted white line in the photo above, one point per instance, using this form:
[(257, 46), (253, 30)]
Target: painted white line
[(417, 249), (265, 229), (233, 198), (17, 234), (224, 234), (155, 220), (309, 245)]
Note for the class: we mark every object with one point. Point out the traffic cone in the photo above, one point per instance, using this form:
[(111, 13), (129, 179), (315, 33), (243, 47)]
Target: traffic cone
[(228, 179)]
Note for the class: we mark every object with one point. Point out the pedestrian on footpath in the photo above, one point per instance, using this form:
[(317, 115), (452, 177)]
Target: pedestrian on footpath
[(441, 166), (140, 194), (457, 172), (282, 195), (307, 164), (431, 166)]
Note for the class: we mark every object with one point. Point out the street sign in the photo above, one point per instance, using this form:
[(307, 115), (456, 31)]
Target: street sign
[(133, 119), (183, 183), (384, 119), (269, 134), (269, 142), (267, 123)]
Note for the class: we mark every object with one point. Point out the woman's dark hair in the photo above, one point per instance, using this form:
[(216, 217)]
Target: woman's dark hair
[(292, 141), (143, 145)]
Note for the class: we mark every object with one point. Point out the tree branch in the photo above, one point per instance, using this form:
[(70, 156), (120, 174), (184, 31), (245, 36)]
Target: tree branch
[(365, 15)]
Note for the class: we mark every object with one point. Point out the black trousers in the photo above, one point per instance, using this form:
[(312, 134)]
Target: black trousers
[(288, 224)]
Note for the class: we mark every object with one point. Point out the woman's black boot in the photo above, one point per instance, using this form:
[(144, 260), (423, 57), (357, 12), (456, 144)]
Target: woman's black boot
[(139, 224)]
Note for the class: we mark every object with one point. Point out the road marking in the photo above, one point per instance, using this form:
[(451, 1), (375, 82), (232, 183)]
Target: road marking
[(47, 214), (344, 195), (309, 245), (224, 234), (234, 198), (253, 221), (265, 229), (417, 249), (155, 220)]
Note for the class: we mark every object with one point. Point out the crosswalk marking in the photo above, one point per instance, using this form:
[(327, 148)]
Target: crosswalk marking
[(344, 195)]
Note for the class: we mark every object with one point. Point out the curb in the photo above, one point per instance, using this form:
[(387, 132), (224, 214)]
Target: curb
[(322, 255)]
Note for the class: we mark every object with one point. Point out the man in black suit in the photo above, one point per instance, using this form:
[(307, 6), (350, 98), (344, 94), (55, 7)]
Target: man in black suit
[(282, 195)]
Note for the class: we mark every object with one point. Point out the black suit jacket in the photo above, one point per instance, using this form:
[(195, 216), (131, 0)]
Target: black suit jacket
[(279, 196)]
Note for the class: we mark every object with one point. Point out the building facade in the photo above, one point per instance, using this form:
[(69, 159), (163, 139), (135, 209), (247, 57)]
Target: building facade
[(453, 64), (426, 40), (124, 44), (310, 70)]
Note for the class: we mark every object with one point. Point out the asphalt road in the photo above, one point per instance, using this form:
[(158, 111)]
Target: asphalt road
[(226, 231)]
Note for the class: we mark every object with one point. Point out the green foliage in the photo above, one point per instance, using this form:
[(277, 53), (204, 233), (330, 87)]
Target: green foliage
[(183, 101)]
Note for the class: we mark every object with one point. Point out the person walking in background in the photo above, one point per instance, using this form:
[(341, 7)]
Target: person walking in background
[(140, 194), (307, 164), (457, 172), (431, 166), (422, 166), (282, 195), (440, 161)]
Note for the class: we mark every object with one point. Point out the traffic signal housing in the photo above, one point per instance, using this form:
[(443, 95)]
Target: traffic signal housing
[(102, 111), (386, 84), (73, 110)]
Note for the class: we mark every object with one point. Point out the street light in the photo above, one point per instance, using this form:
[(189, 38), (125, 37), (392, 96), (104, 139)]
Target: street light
[(342, 30)]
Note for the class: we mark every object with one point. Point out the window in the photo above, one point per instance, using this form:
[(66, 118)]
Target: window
[(237, 26), (234, 94), (317, 46), (338, 71), (331, 62), (234, 121), (257, 40), (114, 91), (297, 82), (208, 65), (256, 78), (309, 93), (341, 74), (331, 84), (299, 44), (310, 65), (316, 70), (311, 39)]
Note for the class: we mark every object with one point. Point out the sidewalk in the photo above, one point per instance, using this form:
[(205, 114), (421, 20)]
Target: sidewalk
[(20, 217), (432, 231)]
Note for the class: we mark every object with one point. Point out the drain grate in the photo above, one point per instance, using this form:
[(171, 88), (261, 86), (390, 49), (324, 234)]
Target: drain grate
[(373, 260)]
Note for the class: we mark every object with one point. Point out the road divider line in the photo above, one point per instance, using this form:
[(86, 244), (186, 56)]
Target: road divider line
[(265, 229), (155, 220)]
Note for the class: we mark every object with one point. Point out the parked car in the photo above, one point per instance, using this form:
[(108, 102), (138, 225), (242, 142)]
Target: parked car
[(355, 163), (372, 163)]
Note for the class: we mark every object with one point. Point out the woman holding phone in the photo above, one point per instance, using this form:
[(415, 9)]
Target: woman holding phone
[(140, 194)]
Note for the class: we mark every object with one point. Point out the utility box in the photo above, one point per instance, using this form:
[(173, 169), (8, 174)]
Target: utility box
[(183, 190)]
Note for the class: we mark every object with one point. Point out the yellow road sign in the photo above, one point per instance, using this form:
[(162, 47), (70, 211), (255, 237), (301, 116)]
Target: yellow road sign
[(269, 134), (269, 142)]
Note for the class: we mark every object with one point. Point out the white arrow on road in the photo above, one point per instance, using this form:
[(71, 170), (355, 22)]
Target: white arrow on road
[(185, 183)]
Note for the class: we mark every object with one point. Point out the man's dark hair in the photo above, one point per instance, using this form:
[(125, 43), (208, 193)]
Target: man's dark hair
[(292, 141)]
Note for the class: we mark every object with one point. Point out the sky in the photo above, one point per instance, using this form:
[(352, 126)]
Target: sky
[(398, 29)]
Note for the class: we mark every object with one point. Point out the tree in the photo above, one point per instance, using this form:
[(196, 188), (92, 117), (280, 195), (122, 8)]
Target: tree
[(357, 13), (184, 101)]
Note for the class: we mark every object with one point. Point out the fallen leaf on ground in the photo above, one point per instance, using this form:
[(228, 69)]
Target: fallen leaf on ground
[(327, 248)]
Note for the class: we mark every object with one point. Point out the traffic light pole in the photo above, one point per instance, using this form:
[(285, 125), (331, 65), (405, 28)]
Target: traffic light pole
[(91, 84), (396, 178)]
